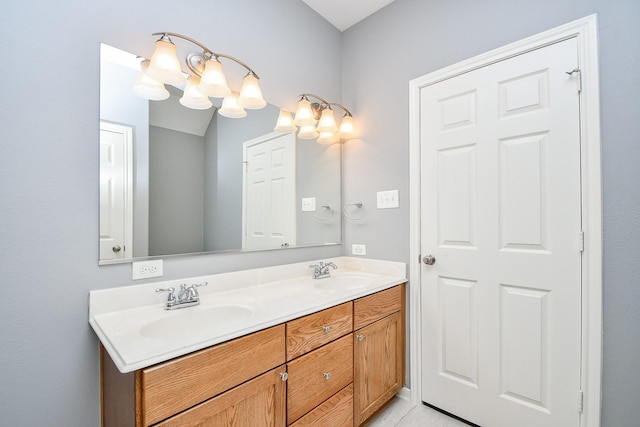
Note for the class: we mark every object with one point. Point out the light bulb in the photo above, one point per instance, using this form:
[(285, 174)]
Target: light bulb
[(251, 94), (285, 122), (327, 122), (192, 97), (304, 114), (328, 138), (213, 82), (308, 132), (164, 65), (231, 107), (346, 126), (148, 88)]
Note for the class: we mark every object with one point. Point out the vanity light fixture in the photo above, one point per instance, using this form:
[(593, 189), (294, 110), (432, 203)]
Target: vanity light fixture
[(206, 79), (316, 120)]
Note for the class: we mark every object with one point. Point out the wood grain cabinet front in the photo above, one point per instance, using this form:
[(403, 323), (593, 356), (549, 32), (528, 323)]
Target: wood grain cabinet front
[(258, 402), (379, 351), (318, 375), (148, 396)]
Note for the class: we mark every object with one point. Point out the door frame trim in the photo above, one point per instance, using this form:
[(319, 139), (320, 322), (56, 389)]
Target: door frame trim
[(585, 30)]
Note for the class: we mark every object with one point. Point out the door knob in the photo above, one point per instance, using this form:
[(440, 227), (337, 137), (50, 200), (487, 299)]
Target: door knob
[(116, 248), (429, 260)]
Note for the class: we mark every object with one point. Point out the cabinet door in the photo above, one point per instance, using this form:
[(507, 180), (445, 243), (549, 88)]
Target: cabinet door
[(378, 359), (337, 411), (318, 375), (259, 402)]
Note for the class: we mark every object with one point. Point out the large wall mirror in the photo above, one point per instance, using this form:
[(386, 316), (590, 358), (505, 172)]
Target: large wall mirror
[(179, 181)]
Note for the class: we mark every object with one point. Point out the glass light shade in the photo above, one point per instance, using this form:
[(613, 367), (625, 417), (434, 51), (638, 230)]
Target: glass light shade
[(346, 126), (231, 107), (285, 122), (192, 97), (328, 138), (164, 65), (308, 132), (304, 114), (327, 122), (148, 88), (251, 94), (213, 82)]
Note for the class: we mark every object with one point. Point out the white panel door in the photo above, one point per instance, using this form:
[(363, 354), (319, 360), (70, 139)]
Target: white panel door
[(269, 192), (115, 192), (500, 203)]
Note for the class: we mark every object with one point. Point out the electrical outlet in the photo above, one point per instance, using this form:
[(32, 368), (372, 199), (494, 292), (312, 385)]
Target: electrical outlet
[(358, 249), (146, 269), (309, 204), (388, 199)]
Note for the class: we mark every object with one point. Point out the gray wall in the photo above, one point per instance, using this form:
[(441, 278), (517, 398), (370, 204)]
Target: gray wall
[(176, 192), (410, 38), (49, 172)]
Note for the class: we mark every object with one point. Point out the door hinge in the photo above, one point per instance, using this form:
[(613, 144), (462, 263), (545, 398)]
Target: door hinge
[(581, 241), (577, 71), (580, 401)]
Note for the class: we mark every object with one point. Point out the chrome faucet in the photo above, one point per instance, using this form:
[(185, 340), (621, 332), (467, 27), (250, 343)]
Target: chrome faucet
[(187, 296), (321, 270)]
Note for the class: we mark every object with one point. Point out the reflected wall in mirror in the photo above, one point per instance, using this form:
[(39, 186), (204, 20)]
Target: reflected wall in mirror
[(179, 181)]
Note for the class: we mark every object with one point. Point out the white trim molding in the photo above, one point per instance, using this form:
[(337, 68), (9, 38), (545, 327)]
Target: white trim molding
[(585, 30)]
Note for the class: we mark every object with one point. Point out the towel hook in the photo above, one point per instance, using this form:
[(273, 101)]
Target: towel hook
[(357, 205), (329, 215)]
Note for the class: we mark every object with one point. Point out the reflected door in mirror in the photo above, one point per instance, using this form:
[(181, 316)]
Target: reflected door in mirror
[(115, 191), (269, 202)]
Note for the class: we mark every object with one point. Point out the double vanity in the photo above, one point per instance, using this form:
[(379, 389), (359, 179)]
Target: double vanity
[(270, 346)]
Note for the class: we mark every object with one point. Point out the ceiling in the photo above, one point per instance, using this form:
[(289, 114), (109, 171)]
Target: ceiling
[(344, 13)]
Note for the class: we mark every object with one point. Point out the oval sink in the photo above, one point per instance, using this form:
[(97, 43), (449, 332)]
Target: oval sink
[(346, 281), (195, 321)]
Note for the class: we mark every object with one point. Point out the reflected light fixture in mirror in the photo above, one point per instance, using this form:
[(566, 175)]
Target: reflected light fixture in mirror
[(206, 80), (309, 114)]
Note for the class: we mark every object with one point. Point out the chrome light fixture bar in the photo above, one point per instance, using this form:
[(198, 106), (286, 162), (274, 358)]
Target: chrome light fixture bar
[(207, 79), (316, 120)]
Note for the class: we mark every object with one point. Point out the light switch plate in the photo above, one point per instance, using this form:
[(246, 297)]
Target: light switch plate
[(358, 249), (388, 199), (308, 204), (146, 269)]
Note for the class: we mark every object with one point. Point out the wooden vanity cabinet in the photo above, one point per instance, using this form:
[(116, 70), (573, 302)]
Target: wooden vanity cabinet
[(150, 395), (342, 363), (379, 350)]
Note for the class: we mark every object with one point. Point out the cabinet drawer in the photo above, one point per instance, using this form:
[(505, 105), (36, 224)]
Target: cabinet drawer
[(318, 375), (373, 307), (337, 411), (181, 383), (260, 401), (315, 330)]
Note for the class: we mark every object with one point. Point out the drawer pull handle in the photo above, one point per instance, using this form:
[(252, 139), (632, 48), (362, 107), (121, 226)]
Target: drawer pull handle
[(359, 337), (327, 375), (284, 376), (326, 329)]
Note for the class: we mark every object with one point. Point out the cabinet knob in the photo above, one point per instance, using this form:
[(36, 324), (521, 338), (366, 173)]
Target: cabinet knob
[(284, 376), (326, 329), (327, 375), (359, 337)]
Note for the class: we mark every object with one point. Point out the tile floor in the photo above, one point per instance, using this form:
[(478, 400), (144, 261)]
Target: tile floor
[(402, 413)]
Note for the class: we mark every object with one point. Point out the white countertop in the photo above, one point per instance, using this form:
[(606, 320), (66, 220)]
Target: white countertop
[(137, 332)]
